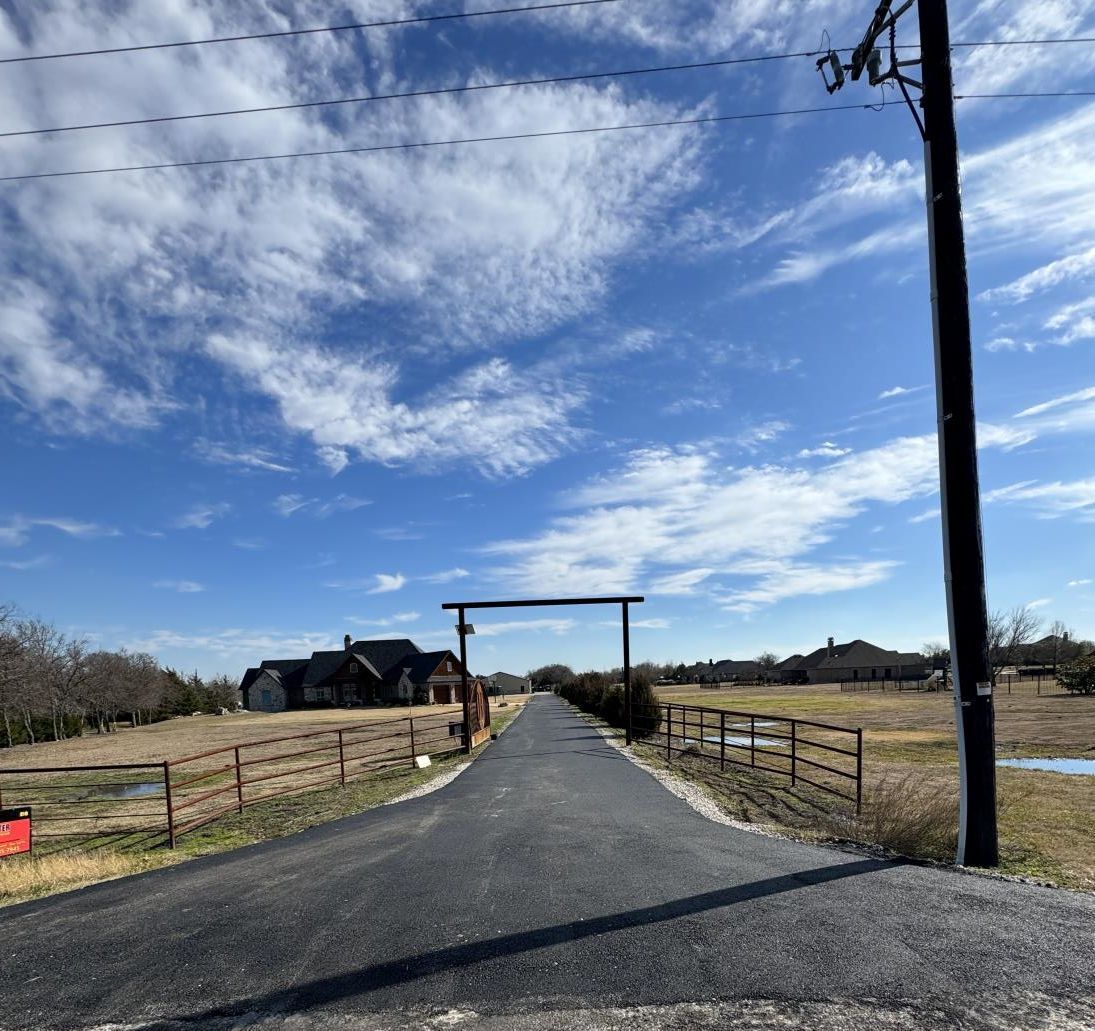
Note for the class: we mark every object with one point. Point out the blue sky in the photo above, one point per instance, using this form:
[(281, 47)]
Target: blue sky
[(249, 409)]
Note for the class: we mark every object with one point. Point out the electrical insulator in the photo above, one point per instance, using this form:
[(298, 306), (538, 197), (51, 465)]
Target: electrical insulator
[(874, 65), (838, 70)]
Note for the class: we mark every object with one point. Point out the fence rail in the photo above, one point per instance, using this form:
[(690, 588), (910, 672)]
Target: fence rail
[(1035, 684), (175, 796), (780, 745)]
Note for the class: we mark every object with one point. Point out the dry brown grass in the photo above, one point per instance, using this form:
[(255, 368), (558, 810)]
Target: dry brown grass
[(187, 735), (1047, 820), (904, 813), (24, 877)]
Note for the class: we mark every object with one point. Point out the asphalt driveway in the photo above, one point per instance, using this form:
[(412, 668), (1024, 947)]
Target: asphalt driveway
[(553, 884)]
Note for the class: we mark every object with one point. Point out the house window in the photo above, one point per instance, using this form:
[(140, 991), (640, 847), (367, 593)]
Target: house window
[(323, 694), (874, 673), (887, 671), (353, 667), (448, 667), (309, 694), (267, 698)]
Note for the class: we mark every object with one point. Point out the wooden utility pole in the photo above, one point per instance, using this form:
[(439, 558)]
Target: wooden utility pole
[(963, 548)]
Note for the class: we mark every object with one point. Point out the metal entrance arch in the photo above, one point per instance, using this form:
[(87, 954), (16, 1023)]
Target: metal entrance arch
[(462, 630)]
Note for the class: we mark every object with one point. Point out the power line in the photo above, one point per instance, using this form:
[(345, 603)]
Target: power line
[(1017, 96), (378, 148), (580, 77), (419, 145), (389, 23), (584, 76)]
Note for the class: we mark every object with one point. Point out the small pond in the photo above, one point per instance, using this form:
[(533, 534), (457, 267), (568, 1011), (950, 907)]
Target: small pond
[(760, 742), (126, 790), (1078, 766)]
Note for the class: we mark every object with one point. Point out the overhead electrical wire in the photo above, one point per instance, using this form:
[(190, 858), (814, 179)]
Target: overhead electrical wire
[(584, 76), (426, 144), (420, 145), (282, 34), (508, 84)]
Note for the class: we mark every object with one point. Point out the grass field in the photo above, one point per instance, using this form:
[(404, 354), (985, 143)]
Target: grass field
[(1047, 820), (187, 735), (74, 865)]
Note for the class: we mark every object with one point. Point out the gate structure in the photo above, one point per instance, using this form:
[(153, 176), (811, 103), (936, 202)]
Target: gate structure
[(463, 629)]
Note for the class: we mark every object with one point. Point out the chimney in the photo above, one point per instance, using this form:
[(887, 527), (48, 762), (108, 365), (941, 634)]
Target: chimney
[(1064, 637), (348, 640), (829, 648)]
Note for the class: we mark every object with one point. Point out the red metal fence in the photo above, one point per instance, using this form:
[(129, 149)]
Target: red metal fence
[(781, 745), (130, 803)]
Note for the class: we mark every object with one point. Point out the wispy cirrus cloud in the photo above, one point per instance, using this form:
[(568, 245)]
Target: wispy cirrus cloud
[(180, 586), (446, 576), (202, 515), (17, 530)]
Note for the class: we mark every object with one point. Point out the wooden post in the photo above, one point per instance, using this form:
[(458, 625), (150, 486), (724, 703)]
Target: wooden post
[(341, 760), (414, 754), (627, 674), (752, 741), (722, 741), (701, 731), (669, 731), (464, 681), (170, 809), (239, 783)]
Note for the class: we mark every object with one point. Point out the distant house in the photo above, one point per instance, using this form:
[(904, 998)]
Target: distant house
[(362, 673), (855, 660), (507, 683), (725, 671)]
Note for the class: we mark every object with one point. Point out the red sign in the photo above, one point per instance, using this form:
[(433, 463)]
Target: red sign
[(14, 831)]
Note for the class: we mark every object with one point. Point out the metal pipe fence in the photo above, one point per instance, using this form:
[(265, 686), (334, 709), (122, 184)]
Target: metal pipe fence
[(1006, 683), (823, 755), (97, 804)]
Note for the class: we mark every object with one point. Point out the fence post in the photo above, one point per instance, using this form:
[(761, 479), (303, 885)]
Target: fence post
[(722, 741), (341, 760), (170, 809), (793, 750), (701, 731), (414, 754), (752, 741), (858, 768), (668, 731), (239, 783)]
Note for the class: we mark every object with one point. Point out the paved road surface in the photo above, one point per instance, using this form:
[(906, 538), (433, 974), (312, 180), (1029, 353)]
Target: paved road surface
[(552, 885)]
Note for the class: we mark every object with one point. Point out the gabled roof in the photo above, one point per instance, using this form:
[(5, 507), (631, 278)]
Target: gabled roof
[(731, 667), (791, 662), (249, 677), (324, 665), (851, 653), (385, 655), (420, 666)]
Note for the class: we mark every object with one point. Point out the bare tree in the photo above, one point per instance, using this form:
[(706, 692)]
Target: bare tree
[(1008, 633), (767, 661)]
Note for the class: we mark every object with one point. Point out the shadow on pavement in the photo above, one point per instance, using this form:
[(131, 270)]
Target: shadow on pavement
[(454, 957)]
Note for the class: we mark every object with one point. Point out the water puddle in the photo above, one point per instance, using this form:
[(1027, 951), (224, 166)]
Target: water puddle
[(760, 742), (1076, 766), (125, 790), (759, 723)]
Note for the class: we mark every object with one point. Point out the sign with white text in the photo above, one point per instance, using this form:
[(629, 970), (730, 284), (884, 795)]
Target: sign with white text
[(14, 831)]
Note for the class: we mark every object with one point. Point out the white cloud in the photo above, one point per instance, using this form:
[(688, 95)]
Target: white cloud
[(897, 392), (501, 420), (1065, 400), (388, 582), (446, 576), (18, 529), (329, 268), (1050, 500), (180, 586), (393, 620), (1079, 583), (795, 579), (1039, 603), (1073, 266), (926, 516), (202, 515), (287, 504), (1011, 344), (826, 450), (763, 433), (247, 646), (25, 565), (248, 458), (683, 582), (555, 626)]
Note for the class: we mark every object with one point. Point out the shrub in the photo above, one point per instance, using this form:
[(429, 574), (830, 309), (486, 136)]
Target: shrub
[(905, 814), (1078, 676), (646, 713)]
